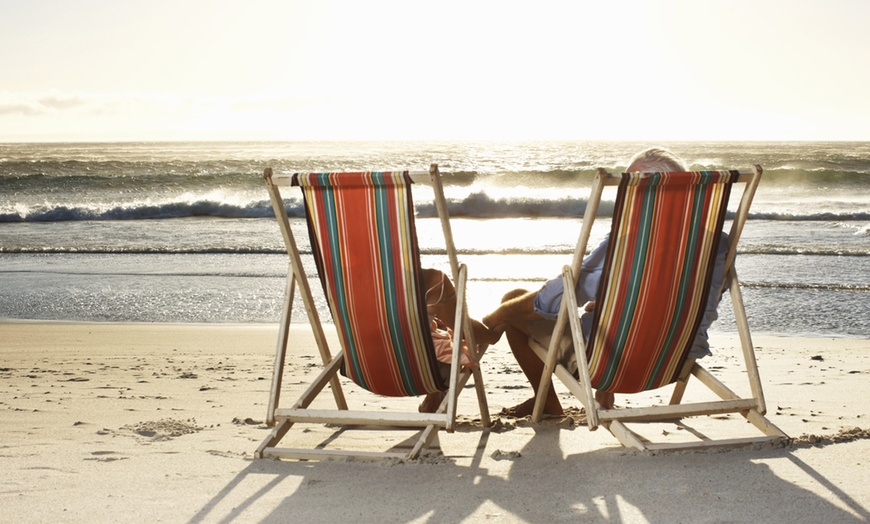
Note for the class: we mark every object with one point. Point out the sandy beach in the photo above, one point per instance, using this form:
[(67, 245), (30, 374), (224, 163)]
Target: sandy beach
[(126, 422)]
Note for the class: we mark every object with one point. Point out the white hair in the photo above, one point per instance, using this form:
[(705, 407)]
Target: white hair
[(654, 160)]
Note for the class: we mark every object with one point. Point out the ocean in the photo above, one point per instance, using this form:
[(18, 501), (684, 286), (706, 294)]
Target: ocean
[(183, 232)]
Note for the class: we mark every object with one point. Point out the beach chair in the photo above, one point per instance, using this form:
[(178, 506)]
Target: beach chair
[(652, 294), (364, 244)]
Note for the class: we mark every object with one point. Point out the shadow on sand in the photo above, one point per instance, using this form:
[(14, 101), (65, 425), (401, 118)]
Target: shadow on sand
[(539, 483)]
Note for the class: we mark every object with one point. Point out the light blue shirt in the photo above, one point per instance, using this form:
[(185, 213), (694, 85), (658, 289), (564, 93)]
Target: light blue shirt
[(549, 297)]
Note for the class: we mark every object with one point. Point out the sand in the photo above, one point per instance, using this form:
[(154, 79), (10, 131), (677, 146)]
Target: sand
[(128, 422)]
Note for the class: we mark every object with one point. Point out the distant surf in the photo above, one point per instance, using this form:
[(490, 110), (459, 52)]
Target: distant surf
[(184, 232)]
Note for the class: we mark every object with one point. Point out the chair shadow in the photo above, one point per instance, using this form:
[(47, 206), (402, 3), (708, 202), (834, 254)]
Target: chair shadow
[(314, 473), (615, 484), (538, 483)]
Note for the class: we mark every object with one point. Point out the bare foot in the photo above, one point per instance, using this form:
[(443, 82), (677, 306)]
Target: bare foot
[(605, 399), (525, 409), (494, 325), (485, 336), (432, 401)]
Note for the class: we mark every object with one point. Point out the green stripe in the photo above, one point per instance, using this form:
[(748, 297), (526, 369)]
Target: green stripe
[(640, 250), (387, 243)]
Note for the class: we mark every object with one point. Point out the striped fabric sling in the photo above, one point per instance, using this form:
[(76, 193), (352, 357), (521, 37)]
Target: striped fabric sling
[(656, 279), (364, 242)]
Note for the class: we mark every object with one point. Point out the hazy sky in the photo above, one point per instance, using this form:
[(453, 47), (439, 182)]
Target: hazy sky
[(408, 69)]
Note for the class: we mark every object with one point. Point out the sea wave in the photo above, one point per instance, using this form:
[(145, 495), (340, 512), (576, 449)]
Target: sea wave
[(808, 286), (474, 205), (140, 211), (815, 177), (85, 176), (830, 216)]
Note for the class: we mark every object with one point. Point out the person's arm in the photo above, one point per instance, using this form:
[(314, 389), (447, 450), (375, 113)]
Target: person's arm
[(549, 298), (701, 345)]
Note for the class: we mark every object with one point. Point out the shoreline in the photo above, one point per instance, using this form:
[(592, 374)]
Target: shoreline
[(124, 421), (326, 324)]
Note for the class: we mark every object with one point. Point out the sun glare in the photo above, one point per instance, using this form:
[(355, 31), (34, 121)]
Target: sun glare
[(403, 70)]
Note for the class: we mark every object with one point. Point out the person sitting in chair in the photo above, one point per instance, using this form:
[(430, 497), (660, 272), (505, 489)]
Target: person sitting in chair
[(441, 307), (523, 313)]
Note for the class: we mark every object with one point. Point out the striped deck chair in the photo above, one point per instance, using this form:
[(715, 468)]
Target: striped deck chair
[(364, 243), (651, 299)]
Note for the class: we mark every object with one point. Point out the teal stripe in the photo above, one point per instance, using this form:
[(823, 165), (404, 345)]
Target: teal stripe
[(386, 243), (641, 249)]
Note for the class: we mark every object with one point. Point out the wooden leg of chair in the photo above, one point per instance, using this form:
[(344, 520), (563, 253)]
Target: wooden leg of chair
[(746, 340), (485, 418), (281, 349), (274, 437), (682, 381), (327, 375), (679, 389), (426, 437), (550, 362), (764, 425), (625, 436)]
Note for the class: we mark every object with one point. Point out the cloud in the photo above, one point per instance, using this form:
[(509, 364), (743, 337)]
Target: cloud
[(62, 102), (154, 115), (19, 106), (34, 104)]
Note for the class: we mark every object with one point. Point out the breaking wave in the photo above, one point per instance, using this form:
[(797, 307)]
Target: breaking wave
[(474, 205)]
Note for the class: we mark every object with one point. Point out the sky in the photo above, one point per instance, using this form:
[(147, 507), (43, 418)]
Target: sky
[(108, 70)]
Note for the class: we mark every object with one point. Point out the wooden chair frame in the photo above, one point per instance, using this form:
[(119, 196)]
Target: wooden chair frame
[(752, 408), (283, 418)]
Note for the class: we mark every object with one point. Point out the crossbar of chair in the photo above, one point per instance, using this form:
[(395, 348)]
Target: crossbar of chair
[(613, 179), (418, 177), (632, 440), (361, 418), (327, 454), (675, 411), (709, 444)]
